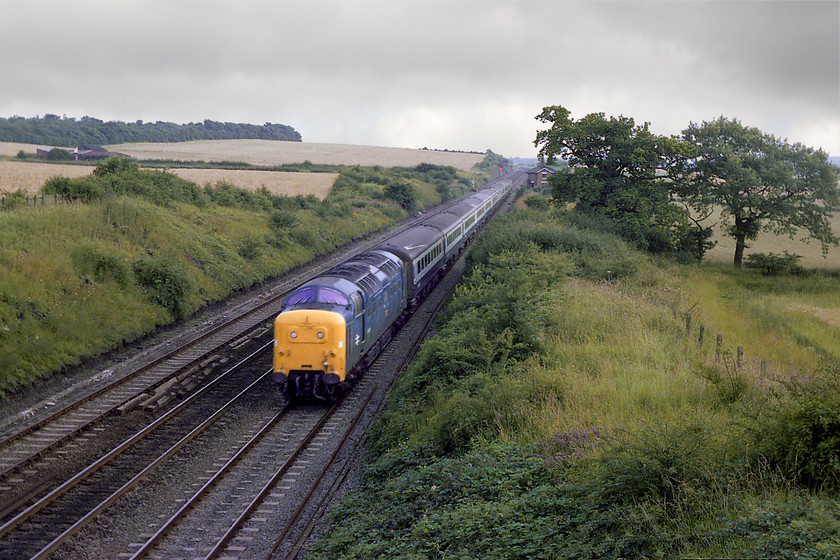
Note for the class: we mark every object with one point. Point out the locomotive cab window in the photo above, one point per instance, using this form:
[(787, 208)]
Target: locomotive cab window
[(304, 296), (326, 295)]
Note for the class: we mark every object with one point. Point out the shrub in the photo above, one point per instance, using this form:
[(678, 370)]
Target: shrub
[(250, 248), (13, 199), (57, 154), (800, 526), (536, 202), (401, 192), (165, 281), (658, 464), (282, 220), (114, 165), (801, 434), (99, 264), (770, 264), (85, 189)]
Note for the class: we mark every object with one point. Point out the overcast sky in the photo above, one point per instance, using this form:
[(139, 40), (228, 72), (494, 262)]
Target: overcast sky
[(462, 75)]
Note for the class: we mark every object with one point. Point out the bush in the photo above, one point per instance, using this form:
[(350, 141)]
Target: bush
[(770, 264), (165, 281), (536, 202), (13, 199), (402, 193), (801, 434), (114, 165), (283, 220), (658, 464), (85, 189), (491, 504), (801, 526), (99, 264), (250, 248), (57, 154)]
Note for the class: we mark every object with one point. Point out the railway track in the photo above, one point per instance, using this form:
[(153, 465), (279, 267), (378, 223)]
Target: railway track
[(146, 382), (54, 518), (42, 519), (263, 485)]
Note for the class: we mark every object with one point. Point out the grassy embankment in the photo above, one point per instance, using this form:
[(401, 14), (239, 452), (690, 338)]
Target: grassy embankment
[(562, 411), (148, 248)]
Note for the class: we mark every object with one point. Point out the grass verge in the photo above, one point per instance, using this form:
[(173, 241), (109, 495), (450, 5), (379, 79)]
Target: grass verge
[(561, 411)]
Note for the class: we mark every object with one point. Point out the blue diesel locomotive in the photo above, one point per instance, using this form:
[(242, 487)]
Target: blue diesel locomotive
[(331, 327)]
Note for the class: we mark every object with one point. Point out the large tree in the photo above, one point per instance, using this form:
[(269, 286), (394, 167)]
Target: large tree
[(760, 182), (622, 171)]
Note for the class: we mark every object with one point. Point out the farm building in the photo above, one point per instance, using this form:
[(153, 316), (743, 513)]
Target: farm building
[(92, 151)]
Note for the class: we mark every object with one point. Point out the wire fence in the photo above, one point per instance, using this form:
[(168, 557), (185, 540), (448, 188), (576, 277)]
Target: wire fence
[(9, 202)]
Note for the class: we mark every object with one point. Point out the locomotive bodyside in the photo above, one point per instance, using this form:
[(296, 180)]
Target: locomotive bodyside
[(329, 325)]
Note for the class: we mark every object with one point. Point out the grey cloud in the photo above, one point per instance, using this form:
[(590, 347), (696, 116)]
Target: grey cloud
[(394, 71)]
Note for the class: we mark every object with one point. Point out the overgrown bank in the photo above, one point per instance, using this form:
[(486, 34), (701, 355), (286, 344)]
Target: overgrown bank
[(141, 248), (562, 412)]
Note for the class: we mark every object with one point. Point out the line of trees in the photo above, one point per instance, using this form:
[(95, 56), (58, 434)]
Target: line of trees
[(656, 191), (53, 130)]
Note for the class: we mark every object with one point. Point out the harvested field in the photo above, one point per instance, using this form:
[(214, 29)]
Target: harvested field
[(277, 182), (12, 148), (30, 177), (269, 152)]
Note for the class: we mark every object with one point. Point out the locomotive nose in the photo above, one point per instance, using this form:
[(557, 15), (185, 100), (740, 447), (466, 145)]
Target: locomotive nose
[(309, 341)]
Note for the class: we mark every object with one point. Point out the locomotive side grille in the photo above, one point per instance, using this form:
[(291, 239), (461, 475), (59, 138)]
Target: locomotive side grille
[(390, 267), (369, 283)]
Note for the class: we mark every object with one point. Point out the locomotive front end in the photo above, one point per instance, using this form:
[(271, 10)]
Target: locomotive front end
[(310, 350)]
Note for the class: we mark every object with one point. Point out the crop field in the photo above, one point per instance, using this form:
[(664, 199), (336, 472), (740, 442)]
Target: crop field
[(277, 182), (12, 148), (268, 152), (30, 177), (810, 251)]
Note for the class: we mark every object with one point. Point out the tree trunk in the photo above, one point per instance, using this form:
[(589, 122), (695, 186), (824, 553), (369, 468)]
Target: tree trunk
[(742, 230), (740, 244)]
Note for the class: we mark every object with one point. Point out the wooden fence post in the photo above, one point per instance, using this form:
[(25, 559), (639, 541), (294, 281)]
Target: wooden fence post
[(702, 332), (740, 357), (687, 324), (718, 344)]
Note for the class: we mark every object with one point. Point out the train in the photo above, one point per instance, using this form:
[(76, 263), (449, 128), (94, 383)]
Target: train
[(330, 328)]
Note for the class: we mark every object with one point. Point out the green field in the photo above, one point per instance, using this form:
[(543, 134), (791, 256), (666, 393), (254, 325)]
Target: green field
[(811, 253)]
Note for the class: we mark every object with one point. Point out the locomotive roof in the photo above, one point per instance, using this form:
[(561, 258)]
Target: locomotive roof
[(370, 271)]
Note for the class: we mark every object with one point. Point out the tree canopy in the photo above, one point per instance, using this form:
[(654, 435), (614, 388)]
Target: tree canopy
[(623, 172), (760, 182), (52, 130)]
